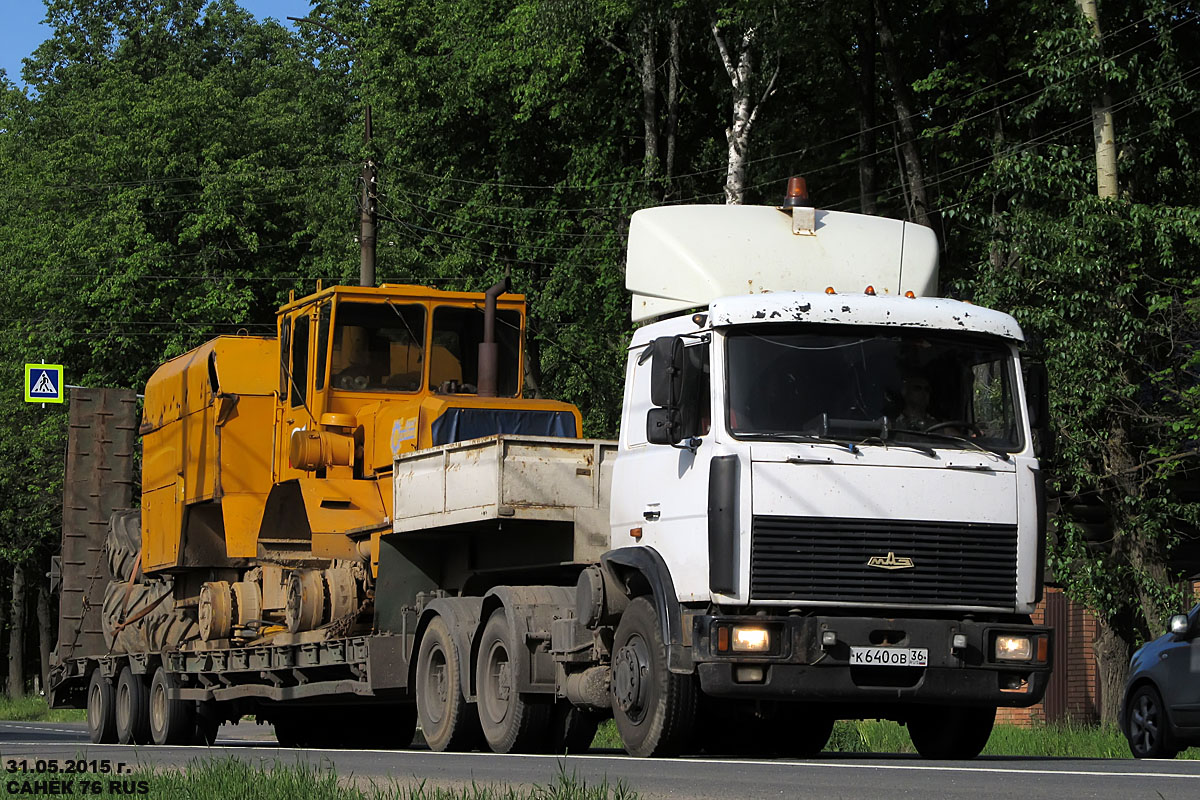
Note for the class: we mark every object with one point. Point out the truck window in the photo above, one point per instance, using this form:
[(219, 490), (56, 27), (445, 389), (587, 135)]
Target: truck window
[(300, 361), (322, 344), (285, 349), (378, 347), (855, 384), (454, 358)]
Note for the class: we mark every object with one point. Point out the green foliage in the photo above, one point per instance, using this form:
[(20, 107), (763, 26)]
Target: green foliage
[(217, 779), (33, 708), (174, 169)]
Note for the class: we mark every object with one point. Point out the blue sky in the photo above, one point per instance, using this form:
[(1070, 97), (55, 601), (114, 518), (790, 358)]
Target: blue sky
[(21, 30)]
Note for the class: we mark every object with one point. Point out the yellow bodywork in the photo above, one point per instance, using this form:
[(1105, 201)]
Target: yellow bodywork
[(223, 426)]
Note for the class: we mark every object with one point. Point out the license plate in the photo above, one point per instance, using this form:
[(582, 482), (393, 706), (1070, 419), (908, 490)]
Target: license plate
[(889, 657)]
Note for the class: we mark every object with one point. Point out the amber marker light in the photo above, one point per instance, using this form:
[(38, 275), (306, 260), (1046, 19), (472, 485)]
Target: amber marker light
[(1043, 648), (869, 291), (910, 295), (829, 290), (722, 639), (636, 533)]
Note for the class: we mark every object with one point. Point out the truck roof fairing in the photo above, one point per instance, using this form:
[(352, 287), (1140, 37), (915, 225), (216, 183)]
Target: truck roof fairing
[(681, 257), (934, 313)]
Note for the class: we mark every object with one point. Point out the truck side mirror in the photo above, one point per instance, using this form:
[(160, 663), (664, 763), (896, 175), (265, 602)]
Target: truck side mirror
[(662, 426), (1037, 399), (666, 371)]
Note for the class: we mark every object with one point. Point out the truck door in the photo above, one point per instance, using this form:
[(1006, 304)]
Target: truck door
[(660, 492)]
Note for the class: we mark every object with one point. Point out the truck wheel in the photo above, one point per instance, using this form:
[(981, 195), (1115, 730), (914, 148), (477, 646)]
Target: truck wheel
[(172, 721), (447, 720), (653, 707), (1146, 725), (132, 709), (511, 723), (948, 732), (101, 716)]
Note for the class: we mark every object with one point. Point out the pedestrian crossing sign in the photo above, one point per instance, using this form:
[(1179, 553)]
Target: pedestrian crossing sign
[(43, 383)]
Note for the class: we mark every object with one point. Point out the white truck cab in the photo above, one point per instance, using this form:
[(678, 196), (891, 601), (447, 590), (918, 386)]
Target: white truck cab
[(834, 469)]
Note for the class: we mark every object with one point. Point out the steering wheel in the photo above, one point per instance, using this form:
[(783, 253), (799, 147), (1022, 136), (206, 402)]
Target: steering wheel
[(955, 423)]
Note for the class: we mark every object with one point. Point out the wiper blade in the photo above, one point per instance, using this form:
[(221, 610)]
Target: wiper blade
[(920, 448), (949, 437), (801, 437)]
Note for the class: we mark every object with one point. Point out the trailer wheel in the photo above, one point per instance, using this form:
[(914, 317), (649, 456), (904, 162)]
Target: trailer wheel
[(171, 721), (447, 720), (101, 716), (511, 723), (948, 732), (132, 709), (653, 707)]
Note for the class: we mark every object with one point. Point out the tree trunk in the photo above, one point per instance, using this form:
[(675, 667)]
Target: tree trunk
[(1112, 667), (16, 640), (868, 182), (1103, 129), (672, 96), (644, 47), (739, 67), (903, 103), (45, 629)]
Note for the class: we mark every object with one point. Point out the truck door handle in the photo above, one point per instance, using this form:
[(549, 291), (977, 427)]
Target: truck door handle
[(652, 514)]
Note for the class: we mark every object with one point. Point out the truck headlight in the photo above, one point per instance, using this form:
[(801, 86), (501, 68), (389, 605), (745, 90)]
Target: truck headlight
[(1014, 648), (751, 640)]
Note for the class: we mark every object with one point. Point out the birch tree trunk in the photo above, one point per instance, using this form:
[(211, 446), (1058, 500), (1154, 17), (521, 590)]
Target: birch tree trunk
[(739, 66), (902, 101), (1103, 128), (16, 640)]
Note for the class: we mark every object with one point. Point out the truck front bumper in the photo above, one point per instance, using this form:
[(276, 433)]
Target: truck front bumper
[(810, 659)]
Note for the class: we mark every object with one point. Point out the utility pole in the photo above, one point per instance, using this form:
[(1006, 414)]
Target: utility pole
[(369, 213), (369, 206)]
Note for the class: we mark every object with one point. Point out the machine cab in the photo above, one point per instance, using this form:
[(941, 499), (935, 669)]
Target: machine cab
[(367, 373)]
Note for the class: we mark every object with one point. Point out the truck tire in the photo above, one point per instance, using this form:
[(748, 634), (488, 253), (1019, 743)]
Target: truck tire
[(101, 710), (950, 732), (654, 708), (163, 628), (447, 720), (208, 722), (123, 543), (511, 722), (132, 709), (171, 721)]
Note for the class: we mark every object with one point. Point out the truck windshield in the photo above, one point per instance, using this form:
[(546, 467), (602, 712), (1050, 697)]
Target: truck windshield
[(861, 385), (377, 347)]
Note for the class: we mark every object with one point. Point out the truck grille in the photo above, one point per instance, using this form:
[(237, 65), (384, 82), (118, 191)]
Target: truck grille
[(821, 559)]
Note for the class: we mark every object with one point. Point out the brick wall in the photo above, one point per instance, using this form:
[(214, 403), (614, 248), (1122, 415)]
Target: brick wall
[(1073, 692)]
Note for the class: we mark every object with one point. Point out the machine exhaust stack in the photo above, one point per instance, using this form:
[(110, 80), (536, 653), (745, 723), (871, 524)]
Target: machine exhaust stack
[(489, 353)]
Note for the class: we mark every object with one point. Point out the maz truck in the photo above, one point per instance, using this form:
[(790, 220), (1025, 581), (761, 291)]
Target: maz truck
[(825, 503)]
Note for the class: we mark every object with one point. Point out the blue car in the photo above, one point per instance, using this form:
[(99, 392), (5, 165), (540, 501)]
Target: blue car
[(1161, 712)]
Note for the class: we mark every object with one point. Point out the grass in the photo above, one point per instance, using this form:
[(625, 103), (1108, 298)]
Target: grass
[(32, 708), (1041, 741), (220, 779)]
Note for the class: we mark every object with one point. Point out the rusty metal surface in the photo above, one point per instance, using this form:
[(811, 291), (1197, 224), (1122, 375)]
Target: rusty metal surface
[(99, 480)]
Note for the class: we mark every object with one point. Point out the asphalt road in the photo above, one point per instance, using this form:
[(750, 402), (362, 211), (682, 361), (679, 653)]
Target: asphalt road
[(830, 776)]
